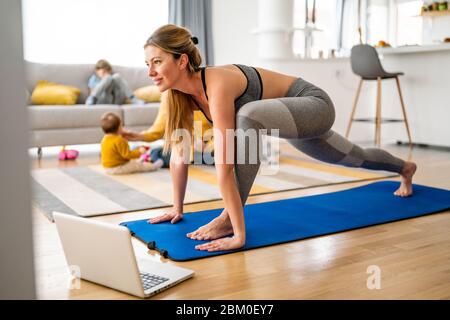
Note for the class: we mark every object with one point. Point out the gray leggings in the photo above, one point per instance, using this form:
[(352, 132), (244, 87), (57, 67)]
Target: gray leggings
[(304, 118), (111, 89)]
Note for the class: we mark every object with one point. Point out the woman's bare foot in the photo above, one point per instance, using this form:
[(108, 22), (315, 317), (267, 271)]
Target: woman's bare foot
[(227, 243), (405, 189), (218, 228)]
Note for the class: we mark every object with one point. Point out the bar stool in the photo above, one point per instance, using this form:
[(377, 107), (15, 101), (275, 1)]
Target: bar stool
[(366, 64)]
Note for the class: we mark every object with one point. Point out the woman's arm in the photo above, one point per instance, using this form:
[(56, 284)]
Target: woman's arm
[(179, 174), (131, 135), (156, 131), (223, 115)]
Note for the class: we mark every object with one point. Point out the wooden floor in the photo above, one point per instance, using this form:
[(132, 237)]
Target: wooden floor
[(413, 255)]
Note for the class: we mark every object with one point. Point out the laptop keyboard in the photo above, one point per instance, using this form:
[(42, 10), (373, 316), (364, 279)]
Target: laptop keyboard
[(151, 280)]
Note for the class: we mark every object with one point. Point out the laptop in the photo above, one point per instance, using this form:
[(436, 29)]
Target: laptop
[(103, 253)]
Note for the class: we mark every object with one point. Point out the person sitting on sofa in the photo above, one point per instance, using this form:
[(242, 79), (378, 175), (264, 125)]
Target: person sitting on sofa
[(156, 131), (106, 87), (116, 156)]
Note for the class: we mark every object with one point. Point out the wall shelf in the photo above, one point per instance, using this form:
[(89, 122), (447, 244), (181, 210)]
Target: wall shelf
[(435, 13)]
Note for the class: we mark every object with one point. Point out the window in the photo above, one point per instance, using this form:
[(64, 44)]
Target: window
[(395, 21), (353, 16), (409, 23), (84, 31), (377, 21), (325, 21)]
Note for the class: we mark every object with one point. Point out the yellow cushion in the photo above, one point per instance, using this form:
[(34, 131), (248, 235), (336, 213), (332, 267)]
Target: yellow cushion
[(47, 92), (148, 94)]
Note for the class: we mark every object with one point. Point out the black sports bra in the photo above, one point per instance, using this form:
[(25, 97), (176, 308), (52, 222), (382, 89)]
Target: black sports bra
[(252, 92)]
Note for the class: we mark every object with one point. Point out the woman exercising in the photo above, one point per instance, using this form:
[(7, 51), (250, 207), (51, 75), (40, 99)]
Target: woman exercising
[(236, 97)]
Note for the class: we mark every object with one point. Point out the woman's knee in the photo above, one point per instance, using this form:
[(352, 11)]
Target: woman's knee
[(329, 106), (331, 114), (247, 116), (320, 114), (249, 109)]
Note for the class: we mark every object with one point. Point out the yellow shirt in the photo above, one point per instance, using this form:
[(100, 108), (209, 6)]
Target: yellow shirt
[(156, 131), (115, 151)]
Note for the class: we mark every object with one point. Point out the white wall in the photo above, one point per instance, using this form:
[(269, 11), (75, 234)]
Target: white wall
[(424, 86), (337, 79), (16, 239), (233, 21)]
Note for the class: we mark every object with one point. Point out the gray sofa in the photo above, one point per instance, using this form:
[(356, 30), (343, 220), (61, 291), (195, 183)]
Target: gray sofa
[(56, 125)]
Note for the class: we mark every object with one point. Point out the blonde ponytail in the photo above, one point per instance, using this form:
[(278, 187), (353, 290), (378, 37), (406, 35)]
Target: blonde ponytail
[(180, 116)]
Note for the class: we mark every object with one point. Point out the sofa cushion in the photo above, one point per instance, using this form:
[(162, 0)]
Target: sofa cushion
[(148, 94), (140, 115), (64, 117), (50, 93)]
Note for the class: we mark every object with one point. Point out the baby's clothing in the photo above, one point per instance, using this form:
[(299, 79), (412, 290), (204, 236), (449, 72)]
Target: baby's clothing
[(117, 158), (133, 166)]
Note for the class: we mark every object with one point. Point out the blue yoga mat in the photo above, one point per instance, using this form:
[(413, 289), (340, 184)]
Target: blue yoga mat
[(294, 219)]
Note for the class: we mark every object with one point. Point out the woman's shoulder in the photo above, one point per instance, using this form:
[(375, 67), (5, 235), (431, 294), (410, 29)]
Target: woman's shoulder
[(225, 77), (236, 71), (223, 69)]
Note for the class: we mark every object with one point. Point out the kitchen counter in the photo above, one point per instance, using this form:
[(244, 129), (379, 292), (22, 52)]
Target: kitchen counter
[(425, 86), (414, 49)]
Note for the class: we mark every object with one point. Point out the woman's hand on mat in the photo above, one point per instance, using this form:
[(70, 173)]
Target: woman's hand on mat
[(228, 243), (173, 215)]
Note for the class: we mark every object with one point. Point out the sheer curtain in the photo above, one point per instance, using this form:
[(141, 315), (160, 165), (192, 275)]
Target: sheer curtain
[(196, 16), (338, 20), (350, 36), (346, 35)]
